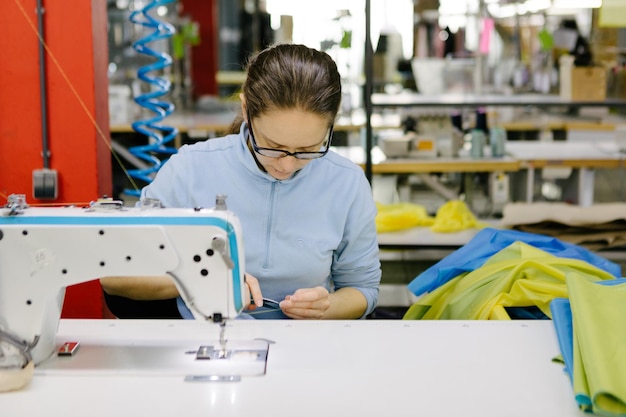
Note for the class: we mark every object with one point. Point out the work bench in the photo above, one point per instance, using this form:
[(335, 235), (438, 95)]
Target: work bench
[(528, 156), (314, 368)]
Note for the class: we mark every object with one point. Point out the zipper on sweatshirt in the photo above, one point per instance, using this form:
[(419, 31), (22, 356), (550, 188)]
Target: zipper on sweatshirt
[(270, 220)]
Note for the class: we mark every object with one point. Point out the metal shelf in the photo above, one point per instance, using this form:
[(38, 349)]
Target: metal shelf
[(372, 100), (478, 100)]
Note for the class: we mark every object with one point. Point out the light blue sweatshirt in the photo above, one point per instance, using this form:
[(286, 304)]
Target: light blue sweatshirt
[(314, 229)]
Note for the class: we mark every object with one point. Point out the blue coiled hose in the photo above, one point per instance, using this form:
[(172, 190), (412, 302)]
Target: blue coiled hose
[(156, 152)]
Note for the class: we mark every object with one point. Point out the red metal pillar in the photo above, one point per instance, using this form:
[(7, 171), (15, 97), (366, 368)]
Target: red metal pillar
[(75, 35), (203, 56)]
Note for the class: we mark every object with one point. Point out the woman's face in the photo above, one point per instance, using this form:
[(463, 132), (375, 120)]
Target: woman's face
[(292, 131)]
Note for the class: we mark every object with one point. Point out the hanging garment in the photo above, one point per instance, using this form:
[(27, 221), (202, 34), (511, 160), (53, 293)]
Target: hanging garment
[(519, 275), (591, 334)]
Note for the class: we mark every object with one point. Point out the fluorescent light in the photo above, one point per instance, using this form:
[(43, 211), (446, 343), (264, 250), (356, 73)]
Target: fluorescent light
[(324, 8), (498, 11), (576, 4), (537, 5)]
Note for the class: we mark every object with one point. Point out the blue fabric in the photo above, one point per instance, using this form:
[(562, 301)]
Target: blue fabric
[(314, 229), (488, 242), (562, 321)]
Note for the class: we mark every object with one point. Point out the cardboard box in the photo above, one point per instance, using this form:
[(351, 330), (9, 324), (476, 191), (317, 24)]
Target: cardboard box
[(583, 83)]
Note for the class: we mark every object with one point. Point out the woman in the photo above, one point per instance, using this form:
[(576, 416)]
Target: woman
[(307, 214)]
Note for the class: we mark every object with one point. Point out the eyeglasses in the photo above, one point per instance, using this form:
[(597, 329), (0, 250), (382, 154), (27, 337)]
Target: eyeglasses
[(279, 153)]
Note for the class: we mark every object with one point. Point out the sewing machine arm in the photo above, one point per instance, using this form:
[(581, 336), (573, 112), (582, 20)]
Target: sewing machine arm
[(43, 250)]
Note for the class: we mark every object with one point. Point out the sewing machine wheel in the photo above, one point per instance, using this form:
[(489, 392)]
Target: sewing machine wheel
[(16, 366)]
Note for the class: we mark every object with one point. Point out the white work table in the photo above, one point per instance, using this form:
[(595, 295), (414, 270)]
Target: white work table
[(340, 368), (584, 156), (424, 238), (430, 245)]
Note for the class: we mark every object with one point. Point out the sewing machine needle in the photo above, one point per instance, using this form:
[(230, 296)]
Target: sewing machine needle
[(222, 353)]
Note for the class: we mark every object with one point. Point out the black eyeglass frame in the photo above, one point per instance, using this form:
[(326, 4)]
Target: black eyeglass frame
[(280, 153)]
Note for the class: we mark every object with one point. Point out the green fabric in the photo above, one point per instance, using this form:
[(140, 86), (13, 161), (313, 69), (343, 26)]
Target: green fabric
[(546, 40), (519, 275), (187, 34), (599, 328)]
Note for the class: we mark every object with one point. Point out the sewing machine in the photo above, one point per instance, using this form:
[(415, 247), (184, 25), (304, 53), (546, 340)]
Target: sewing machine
[(43, 250), (484, 367)]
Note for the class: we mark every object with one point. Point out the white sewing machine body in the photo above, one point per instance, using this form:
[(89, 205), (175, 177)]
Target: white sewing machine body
[(43, 250)]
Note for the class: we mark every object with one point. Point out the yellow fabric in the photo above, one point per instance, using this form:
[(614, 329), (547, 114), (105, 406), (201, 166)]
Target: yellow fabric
[(519, 275), (454, 216), (400, 216), (599, 335)]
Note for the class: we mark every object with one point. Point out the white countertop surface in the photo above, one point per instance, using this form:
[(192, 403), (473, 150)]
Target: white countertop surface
[(563, 150), (424, 237), (350, 368)]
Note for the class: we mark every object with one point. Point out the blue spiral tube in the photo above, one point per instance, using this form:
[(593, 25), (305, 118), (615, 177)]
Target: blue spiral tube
[(156, 152)]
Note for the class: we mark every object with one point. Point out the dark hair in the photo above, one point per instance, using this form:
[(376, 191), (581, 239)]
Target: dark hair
[(290, 76)]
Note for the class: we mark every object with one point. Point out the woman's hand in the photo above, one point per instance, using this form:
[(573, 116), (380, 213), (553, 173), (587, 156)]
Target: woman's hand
[(253, 295), (306, 303)]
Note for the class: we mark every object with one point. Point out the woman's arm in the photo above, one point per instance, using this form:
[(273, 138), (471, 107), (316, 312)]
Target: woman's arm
[(346, 303), (140, 288), (162, 288)]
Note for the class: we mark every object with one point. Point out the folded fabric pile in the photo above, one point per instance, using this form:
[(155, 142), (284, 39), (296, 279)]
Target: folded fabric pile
[(401, 216), (452, 216), (592, 338), (503, 274), (599, 226), (507, 274)]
